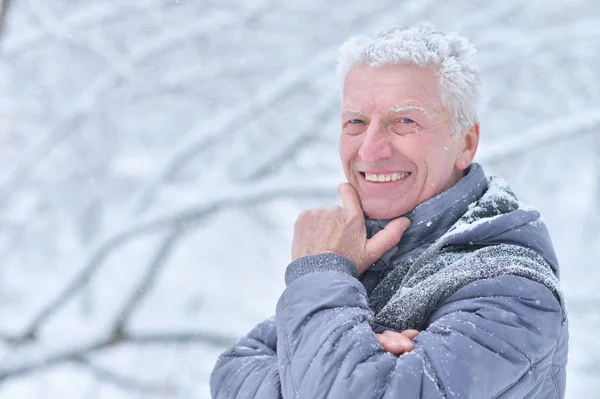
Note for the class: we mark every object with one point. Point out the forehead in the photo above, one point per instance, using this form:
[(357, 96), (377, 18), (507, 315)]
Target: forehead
[(389, 86)]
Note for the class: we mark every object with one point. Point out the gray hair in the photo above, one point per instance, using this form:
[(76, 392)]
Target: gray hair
[(449, 54)]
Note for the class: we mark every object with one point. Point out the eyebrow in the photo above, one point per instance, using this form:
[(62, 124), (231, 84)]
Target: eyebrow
[(404, 108), (400, 108), (353, 111)]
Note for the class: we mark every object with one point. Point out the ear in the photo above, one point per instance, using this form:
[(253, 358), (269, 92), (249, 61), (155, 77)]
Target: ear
[(469, 142)]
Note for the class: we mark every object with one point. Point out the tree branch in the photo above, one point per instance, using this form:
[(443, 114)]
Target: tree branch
[(42, 362), (307, 136), (126, 382), (234, 197), (95, 14), (4, 7), (145, 286), (203, 138), (33, 156), (573, 125), (59, 30)]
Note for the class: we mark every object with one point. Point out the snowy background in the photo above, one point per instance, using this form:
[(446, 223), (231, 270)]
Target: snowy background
[(154, 155)]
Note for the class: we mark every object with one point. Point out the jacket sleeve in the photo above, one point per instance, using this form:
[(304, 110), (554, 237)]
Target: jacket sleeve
[(485, 341), (249, 369)]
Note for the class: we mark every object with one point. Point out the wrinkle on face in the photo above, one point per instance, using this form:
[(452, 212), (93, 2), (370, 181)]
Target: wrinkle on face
[(384, 98)]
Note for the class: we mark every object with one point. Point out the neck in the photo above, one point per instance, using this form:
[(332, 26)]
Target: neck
[(432, 218)]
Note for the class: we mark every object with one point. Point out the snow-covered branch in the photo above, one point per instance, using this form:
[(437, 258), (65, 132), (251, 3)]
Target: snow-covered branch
[(127, 383), (562, 128), (37, 363), (33, 157), (92, 14), (57, 29), (227, 198), (272, 159), (143, 289), (4, 6), (202, 138)]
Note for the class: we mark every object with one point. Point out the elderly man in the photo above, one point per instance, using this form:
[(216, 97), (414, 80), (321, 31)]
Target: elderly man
[(431, 280)]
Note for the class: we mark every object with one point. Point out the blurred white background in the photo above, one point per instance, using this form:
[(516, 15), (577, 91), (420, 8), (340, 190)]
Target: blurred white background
[(154, 155)]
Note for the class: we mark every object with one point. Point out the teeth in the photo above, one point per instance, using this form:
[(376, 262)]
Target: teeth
[(386, 178)]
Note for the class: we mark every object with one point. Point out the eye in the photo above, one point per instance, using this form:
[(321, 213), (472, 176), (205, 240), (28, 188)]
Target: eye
[(355, 121), (354, 126), (404, 126)]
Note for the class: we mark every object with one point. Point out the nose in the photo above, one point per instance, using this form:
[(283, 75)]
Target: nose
[(376, 145)]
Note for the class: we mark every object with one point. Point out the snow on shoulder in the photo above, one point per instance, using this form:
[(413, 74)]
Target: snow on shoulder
[(497, 201)]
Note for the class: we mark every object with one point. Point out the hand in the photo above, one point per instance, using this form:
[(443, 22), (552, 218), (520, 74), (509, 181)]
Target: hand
[(342, 229), (397, 342)]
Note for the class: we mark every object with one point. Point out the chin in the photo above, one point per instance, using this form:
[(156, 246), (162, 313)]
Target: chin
[(381, 211)]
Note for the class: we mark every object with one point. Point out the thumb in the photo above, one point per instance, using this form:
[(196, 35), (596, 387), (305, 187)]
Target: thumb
[(386, 238)]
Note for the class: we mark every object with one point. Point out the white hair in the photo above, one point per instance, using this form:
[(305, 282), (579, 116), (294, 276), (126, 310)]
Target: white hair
[(450, 55)]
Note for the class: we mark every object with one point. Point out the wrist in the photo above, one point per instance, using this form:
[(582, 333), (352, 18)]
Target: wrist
[(321, 262)]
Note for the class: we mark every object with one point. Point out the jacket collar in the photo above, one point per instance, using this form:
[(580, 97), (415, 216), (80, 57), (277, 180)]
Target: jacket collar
[(432, 218)]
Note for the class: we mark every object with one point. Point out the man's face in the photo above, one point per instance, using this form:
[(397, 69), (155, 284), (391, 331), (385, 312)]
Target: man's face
[(395, 128)]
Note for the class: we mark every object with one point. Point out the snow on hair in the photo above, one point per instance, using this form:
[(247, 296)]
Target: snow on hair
[(449, 54)]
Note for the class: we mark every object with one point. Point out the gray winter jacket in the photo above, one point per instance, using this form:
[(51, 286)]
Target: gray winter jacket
[(475, 273)]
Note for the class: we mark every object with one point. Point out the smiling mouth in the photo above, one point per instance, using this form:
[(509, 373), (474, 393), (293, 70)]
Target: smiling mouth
[(383, 178)]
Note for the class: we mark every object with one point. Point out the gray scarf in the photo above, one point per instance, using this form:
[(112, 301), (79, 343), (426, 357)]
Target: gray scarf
[(478, 230)]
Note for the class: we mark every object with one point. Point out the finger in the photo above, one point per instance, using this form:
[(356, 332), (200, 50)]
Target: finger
[(350, 198), (387, 342), (398, 347), (381, 339), (410, 334), (395, 343), (386, 238)]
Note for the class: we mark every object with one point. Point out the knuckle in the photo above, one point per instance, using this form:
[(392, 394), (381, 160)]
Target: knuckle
[(302, 218), (318, 211), (307, 213), (335, 209), (353, 216)]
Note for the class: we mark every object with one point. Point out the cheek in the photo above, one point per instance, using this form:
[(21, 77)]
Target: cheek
[(419, 150), (443, 150), (435, 159), (441, 164), (343, 149), (347, 150)]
